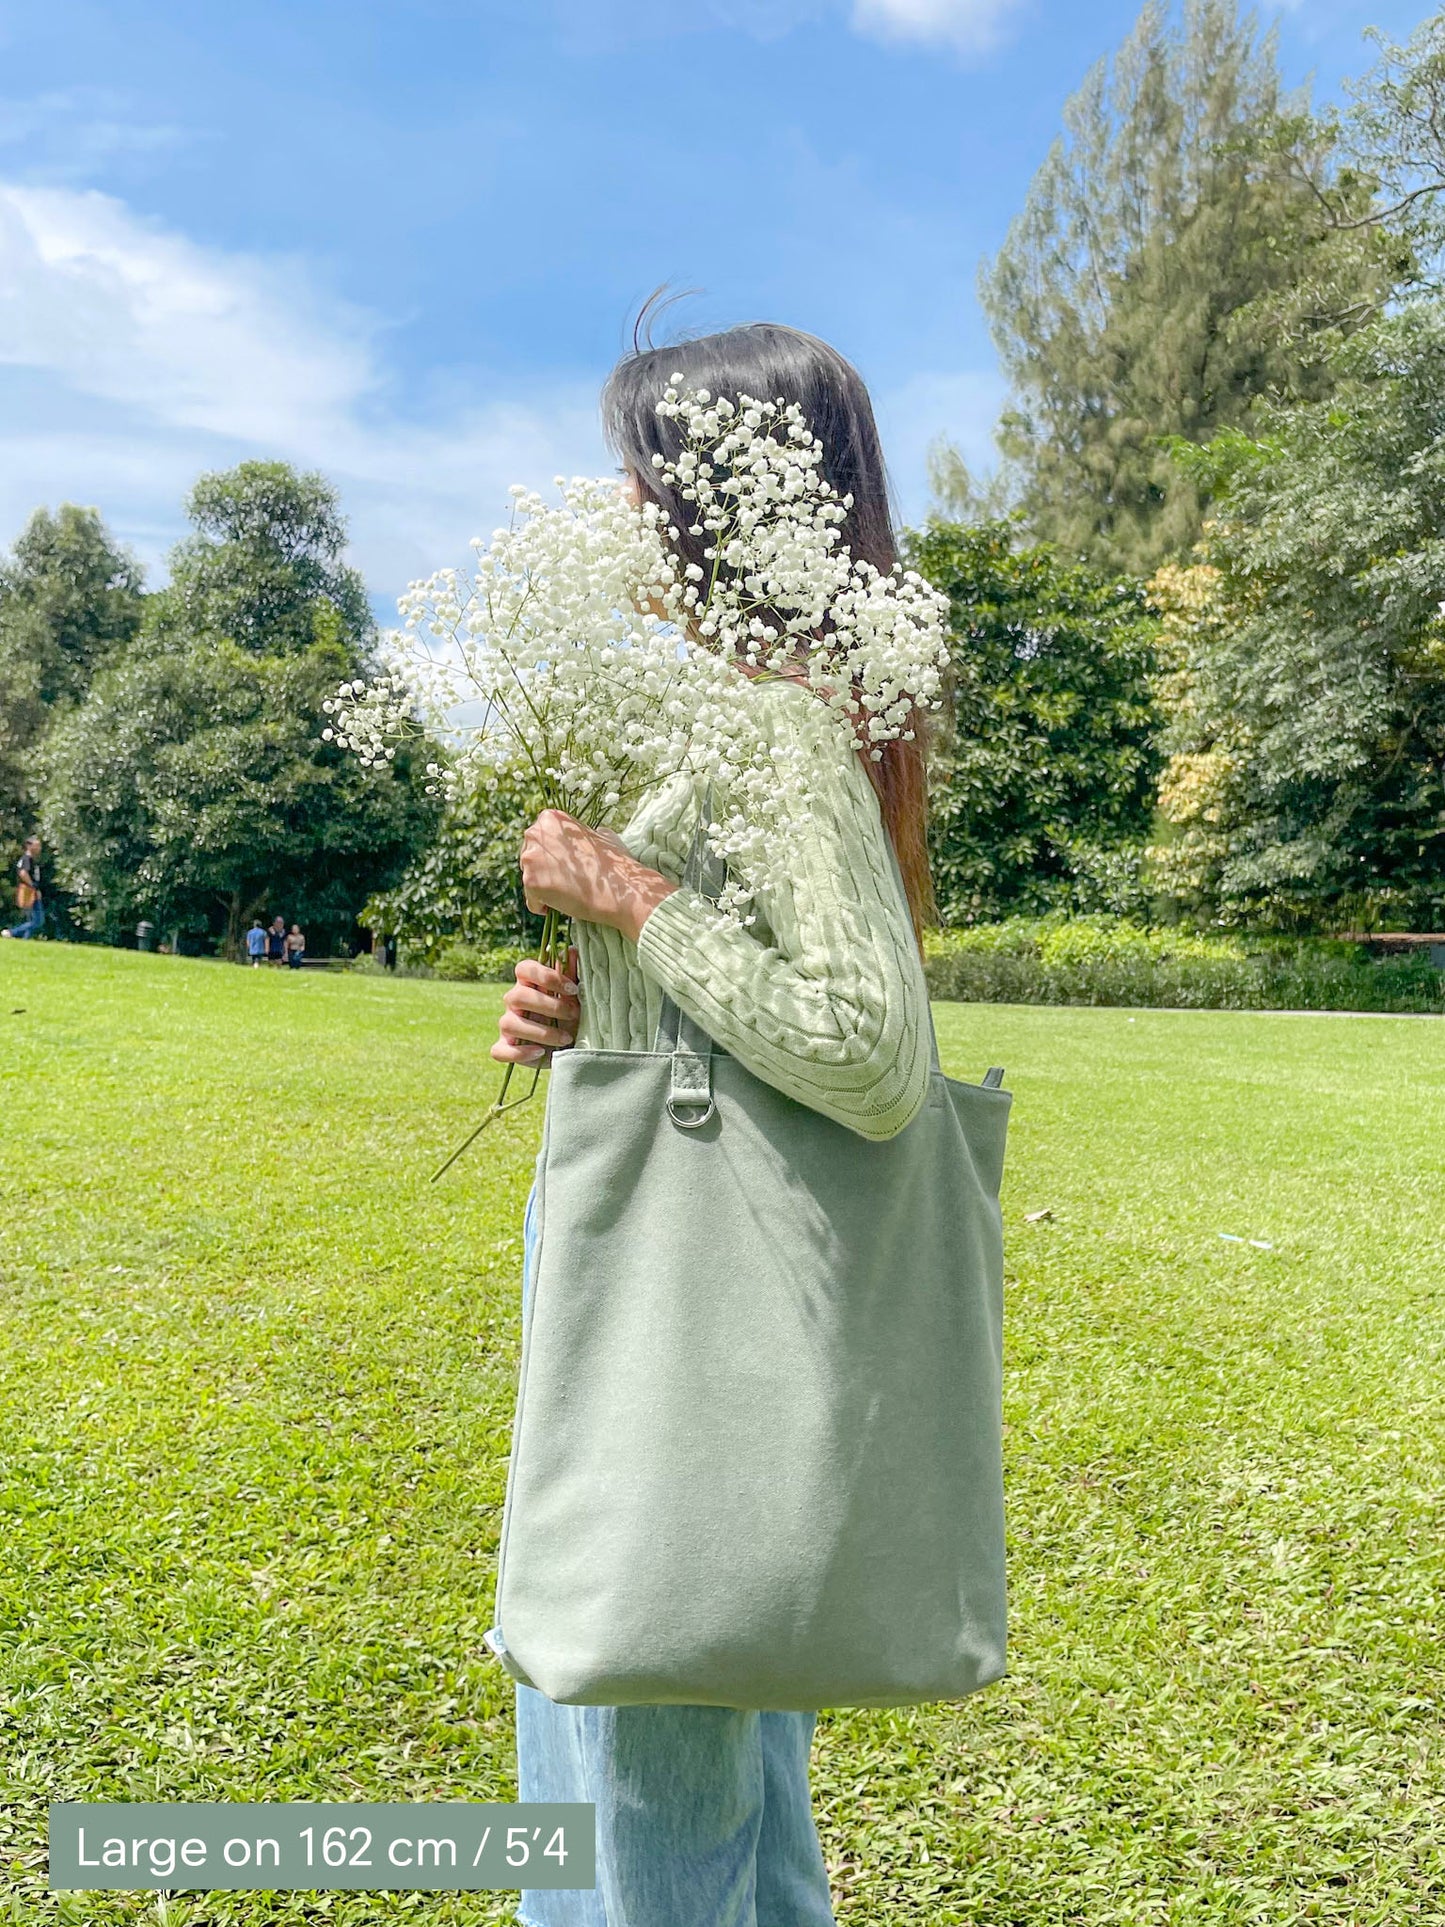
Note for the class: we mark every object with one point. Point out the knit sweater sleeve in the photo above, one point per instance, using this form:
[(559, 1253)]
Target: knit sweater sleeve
[(834, 1010)]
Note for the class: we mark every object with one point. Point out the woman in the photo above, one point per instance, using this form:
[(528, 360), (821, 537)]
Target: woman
[(703, 1813)]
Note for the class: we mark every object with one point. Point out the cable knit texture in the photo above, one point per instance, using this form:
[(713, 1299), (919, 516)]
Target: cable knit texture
[(823, 996)]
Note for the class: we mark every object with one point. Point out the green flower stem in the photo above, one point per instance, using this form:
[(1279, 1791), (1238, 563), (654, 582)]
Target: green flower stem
[(552, 950)]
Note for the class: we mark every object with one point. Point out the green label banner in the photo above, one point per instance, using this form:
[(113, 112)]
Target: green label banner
[(314, 1845)]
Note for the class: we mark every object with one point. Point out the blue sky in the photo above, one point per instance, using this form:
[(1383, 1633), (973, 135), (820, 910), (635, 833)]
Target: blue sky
[(402, 243)]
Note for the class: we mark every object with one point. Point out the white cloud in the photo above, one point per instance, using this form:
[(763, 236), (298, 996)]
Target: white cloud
[(131, 358), (970, 26), (124, 311)]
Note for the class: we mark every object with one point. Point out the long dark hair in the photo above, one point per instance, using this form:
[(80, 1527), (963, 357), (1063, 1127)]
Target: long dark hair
[(767, 361)]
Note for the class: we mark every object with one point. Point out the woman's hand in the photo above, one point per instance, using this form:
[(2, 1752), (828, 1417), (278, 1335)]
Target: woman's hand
[(589, 874), (539, 1013)]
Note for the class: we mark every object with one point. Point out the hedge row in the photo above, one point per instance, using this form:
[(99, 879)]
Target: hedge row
[(462, 963), (1102, 960)]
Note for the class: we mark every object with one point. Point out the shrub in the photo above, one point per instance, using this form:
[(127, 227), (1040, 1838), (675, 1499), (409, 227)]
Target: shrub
[(471, 963), (406, 965), (1101, 960)]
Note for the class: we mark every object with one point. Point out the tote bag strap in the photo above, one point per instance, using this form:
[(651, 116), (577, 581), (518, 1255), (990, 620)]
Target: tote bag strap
[(689, 1097)]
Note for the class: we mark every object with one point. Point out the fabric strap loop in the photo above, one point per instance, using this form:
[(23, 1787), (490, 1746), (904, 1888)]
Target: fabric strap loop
[(689, 1098)]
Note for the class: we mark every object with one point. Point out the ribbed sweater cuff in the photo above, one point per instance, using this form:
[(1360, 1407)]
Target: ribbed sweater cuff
[(669, 944)]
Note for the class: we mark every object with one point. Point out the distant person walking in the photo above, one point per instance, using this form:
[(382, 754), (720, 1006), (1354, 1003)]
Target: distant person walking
[(29, 893), (295, 947), (276, 941), (256, 944)]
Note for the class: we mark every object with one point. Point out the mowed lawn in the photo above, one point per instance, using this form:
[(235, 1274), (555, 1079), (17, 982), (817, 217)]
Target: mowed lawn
[(256, 1375)]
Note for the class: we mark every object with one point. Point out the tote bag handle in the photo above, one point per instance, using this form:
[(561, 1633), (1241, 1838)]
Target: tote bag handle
[(689, 1097)]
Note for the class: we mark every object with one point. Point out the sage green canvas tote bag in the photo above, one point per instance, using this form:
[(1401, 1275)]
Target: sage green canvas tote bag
[(756, 1460)]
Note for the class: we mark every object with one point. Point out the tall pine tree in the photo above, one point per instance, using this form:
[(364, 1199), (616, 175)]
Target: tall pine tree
[(1186, 248)]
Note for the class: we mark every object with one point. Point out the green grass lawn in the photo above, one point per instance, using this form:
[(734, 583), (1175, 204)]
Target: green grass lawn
[(257, 1372)]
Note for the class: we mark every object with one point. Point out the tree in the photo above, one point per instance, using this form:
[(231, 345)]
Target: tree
[(1195, 241), (193, 786), (1306, 652), (266, 552), (69, 598), (1042, 797), (465, 887), (958, 495), (1392, 133)]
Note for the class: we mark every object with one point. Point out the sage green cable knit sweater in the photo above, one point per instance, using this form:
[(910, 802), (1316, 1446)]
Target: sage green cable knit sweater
[(823, 996)]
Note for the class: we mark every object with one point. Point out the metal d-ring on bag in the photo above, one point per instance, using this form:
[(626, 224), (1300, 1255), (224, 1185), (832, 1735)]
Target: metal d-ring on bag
[(756, 1460)]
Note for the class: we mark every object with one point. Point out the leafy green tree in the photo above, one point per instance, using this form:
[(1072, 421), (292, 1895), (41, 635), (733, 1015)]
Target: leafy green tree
[(267, 552), (1305, 654), (193, 786), (1194, 241), (465, 886), (1043, 790), (69, 598)]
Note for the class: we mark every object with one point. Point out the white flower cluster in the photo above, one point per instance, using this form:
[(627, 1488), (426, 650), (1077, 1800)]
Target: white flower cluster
[(557, 654), (369, 716), (582, 653), (780, 590)]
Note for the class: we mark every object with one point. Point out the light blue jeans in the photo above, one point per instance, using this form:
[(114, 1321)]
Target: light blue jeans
[(704, 1818), (32, 921)]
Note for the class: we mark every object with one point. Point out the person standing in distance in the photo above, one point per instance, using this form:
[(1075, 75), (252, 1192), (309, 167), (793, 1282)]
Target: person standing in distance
[(29, 894)]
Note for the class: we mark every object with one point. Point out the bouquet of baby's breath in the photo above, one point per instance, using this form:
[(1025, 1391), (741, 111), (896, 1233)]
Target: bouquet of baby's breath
[(585, 655), (560, 660)]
